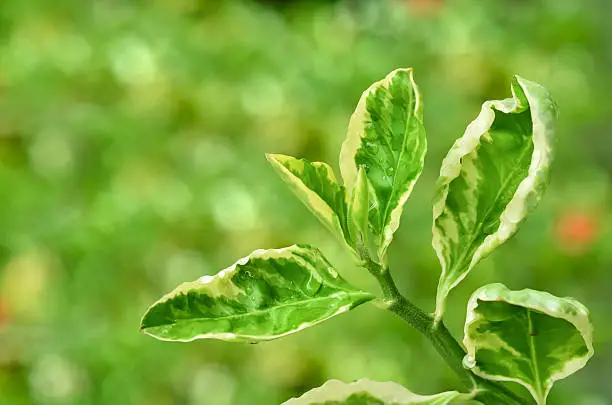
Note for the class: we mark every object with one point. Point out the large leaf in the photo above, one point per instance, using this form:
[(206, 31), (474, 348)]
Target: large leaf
[(529, 337), (315, 185), (266, 295), (387, 138), (366, 392), (492, 177)]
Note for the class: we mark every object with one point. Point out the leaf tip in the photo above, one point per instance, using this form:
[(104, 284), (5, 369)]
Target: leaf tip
[(279, 159), (408, 70), (271, 157)]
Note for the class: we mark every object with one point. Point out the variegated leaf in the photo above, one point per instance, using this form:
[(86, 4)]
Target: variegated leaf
[(358, 209), (387, 138), (529, 337), (315, 185), (366, 392), (266, 295), (493, 176)]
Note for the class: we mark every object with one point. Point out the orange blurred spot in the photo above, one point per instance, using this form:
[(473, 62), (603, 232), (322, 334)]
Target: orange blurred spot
[(3, 313), (426, 6), (576, 230)]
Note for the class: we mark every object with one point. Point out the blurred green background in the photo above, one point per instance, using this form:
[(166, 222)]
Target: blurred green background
[(132, 140)]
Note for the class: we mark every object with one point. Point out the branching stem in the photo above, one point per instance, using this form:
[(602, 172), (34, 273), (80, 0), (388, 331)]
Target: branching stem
[(437, 333)]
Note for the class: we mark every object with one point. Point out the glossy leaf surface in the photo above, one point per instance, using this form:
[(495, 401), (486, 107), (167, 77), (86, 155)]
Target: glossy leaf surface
[(529, 337), (491, 179), (315, 185), (266, 295), (387, 138), (366, 392)]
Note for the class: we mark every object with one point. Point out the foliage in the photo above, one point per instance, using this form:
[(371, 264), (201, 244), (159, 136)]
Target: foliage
[(264, 296), (374, 393), (131, 143), (554, 334), (491, 179), (493, 176)]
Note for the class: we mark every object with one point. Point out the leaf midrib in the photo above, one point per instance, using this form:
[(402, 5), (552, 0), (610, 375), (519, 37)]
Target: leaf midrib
[(410, 115), (534, 361), (263, 311)]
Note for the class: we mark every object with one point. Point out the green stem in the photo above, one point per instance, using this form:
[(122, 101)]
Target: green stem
[(446, 345)]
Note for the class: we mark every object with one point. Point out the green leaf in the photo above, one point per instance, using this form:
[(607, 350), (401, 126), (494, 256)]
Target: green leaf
[(491, 179), (529, 337), (315, 185), (358, 209), (387, 138), (266, 295), (366, 392)]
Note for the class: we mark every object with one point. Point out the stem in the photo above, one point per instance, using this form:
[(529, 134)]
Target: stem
[(446, 345)]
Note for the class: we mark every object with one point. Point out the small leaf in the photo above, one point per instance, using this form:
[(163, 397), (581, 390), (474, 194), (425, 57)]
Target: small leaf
[(315, 185), (529, 337), (387, 138), (358, 209), (491, 179), (266, 295), (366, 392)]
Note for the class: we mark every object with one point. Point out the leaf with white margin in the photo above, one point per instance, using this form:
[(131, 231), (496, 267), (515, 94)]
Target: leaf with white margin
[(315, 185), (491, 179), (358, 209), (266, 295), (529, 337), (366, 392), (387, 138)]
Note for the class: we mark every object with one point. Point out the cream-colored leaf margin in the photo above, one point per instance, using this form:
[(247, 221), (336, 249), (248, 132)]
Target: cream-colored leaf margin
[(358, 209), (564, 308), (351, 145), (388, 392), (217, 286), (312, 200), (529, 191)]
